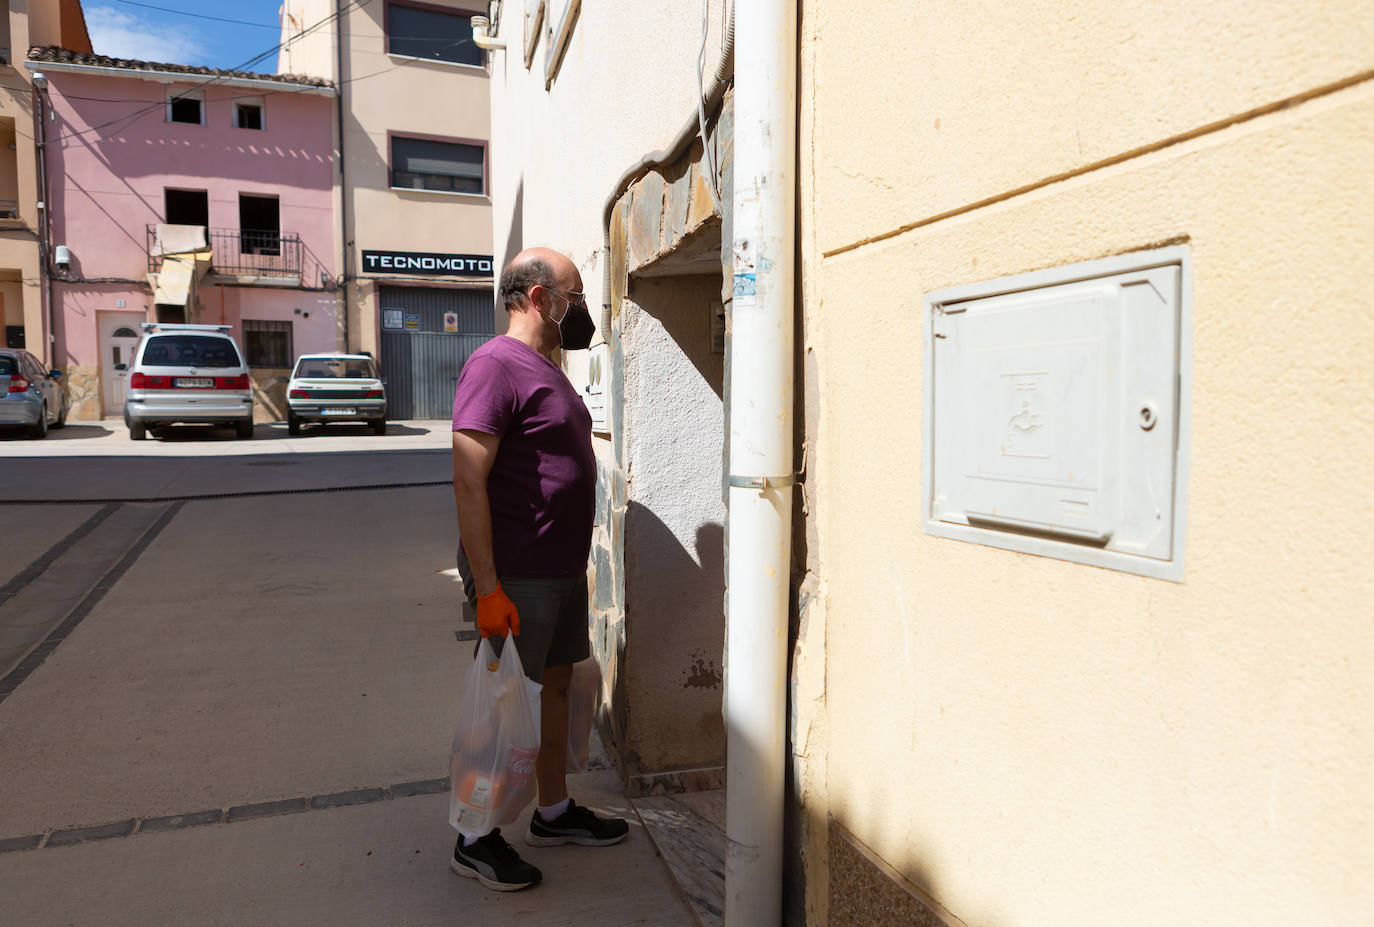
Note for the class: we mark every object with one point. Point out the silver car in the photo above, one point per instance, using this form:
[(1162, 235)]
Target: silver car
[(335, 388), (188, 374), (29, 393)]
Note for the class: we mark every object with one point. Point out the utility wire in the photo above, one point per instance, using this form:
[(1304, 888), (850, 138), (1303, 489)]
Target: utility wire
[(148, 107), (218, 77), (218, 19)]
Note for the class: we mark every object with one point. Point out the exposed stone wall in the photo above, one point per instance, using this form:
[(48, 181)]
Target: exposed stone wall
[(269, 393), (82, 386), (608, 595)]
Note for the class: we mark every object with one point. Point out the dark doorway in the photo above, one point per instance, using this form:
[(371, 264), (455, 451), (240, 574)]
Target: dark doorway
[(169, 312), (259, 224), (187, 207)]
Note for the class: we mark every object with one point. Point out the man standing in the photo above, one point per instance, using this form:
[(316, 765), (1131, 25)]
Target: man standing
[(524, 478)]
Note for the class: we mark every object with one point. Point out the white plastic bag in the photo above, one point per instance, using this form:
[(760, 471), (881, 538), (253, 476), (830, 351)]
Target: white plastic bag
[(583, 692), (491, 768)]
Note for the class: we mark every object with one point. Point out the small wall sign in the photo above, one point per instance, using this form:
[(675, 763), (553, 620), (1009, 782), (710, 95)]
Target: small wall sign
[(594, 393)]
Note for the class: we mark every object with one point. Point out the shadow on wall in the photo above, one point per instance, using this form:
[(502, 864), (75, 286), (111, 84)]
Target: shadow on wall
[(672, 684), (661, 297), (515, 236)]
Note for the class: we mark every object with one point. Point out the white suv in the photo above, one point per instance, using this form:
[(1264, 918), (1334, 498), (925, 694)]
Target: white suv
[(188, 374)]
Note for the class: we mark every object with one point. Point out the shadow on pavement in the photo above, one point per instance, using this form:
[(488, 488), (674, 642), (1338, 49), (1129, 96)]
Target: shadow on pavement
[(71, 432), (278, 429), (172, 433), (269, 431)]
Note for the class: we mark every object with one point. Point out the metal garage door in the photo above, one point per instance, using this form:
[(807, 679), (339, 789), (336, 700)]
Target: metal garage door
[(421, 362)]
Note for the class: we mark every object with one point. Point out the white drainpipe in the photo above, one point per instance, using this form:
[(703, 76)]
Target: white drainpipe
[(761, 466)]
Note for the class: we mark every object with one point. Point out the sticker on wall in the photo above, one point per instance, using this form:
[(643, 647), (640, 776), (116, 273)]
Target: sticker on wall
[(450, 321), (412, 321), (392, 319)]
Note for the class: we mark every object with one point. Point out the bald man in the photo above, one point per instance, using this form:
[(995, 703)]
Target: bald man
[(524, 478)]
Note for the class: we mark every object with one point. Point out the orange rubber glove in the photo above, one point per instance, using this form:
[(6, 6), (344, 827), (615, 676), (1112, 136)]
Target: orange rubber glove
[(496, 614)]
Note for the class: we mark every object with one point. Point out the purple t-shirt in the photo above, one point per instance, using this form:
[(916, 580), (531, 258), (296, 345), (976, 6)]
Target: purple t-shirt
[(542, 486)]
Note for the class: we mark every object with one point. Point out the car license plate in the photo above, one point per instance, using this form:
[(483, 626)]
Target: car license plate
[(337, 411), (201, 382)]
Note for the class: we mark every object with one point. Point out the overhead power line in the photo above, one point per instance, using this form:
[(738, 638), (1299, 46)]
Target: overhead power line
[(129, 117), (218, 19)]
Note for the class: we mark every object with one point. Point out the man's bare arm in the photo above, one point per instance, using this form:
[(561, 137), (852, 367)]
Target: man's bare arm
[(473, 456)]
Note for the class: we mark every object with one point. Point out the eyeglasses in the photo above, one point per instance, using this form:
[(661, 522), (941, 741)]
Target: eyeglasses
[(569, 297)]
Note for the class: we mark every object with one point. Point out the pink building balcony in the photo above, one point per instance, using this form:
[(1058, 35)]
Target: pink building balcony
[(244, 253)]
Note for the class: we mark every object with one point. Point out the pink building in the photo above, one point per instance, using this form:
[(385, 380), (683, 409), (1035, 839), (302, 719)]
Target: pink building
[(233, 170)]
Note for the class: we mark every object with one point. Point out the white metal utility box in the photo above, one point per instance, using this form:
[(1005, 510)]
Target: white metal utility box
[(1056, 412)]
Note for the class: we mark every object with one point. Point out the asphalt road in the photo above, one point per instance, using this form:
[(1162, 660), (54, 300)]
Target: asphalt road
[(227, 673)]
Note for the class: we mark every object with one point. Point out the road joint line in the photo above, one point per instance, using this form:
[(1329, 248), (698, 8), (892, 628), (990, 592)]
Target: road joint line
[(252, 811), (35, 658), (244, 494)]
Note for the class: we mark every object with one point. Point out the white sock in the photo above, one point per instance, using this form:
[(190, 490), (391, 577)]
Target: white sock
[(549, 812), (469, 841)]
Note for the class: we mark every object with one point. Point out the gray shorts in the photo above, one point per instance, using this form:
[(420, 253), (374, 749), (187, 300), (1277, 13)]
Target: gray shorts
[(553, 618)]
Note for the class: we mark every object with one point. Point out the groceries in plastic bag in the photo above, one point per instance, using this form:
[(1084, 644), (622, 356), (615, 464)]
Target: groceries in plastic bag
[(583, 692), (491, 768)]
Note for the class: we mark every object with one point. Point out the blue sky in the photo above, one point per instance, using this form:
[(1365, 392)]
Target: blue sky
[(127, 30)]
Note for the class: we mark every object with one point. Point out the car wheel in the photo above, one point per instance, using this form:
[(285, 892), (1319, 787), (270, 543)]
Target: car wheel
[(137, 431), (245, 429), (379, 425), (40, 428), (293, 424), (61, 418)]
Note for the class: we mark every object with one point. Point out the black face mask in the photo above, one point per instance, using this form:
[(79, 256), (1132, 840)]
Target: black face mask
[(576, 330)]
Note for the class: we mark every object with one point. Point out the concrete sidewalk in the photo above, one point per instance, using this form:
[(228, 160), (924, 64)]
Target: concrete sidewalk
[(109, 438), (379, 863), (89, 462)]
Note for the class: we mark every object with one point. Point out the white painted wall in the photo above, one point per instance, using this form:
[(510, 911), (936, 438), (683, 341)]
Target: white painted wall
[(674, 528), (627, 82)]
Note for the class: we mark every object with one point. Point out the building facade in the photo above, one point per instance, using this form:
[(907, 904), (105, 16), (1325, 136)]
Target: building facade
[(186, 194), (23, 292), (1079, 311), (413, 183)]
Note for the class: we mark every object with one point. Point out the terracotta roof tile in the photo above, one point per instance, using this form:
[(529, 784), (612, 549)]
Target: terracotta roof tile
[(61, 55)]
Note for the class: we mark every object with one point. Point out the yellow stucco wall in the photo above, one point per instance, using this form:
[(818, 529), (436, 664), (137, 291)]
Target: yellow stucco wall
[(1030, 741)]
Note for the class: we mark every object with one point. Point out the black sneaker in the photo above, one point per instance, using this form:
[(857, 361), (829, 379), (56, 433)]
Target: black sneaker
[(491, 861), (575, 825)]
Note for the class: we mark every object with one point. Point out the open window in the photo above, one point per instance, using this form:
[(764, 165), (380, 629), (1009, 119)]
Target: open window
[(249, 113), (259, 224), (187, 207), (187, 107)]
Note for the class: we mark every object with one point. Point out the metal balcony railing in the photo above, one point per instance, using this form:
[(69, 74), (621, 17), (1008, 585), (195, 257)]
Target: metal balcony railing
[(9, 209), (243, 252)]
